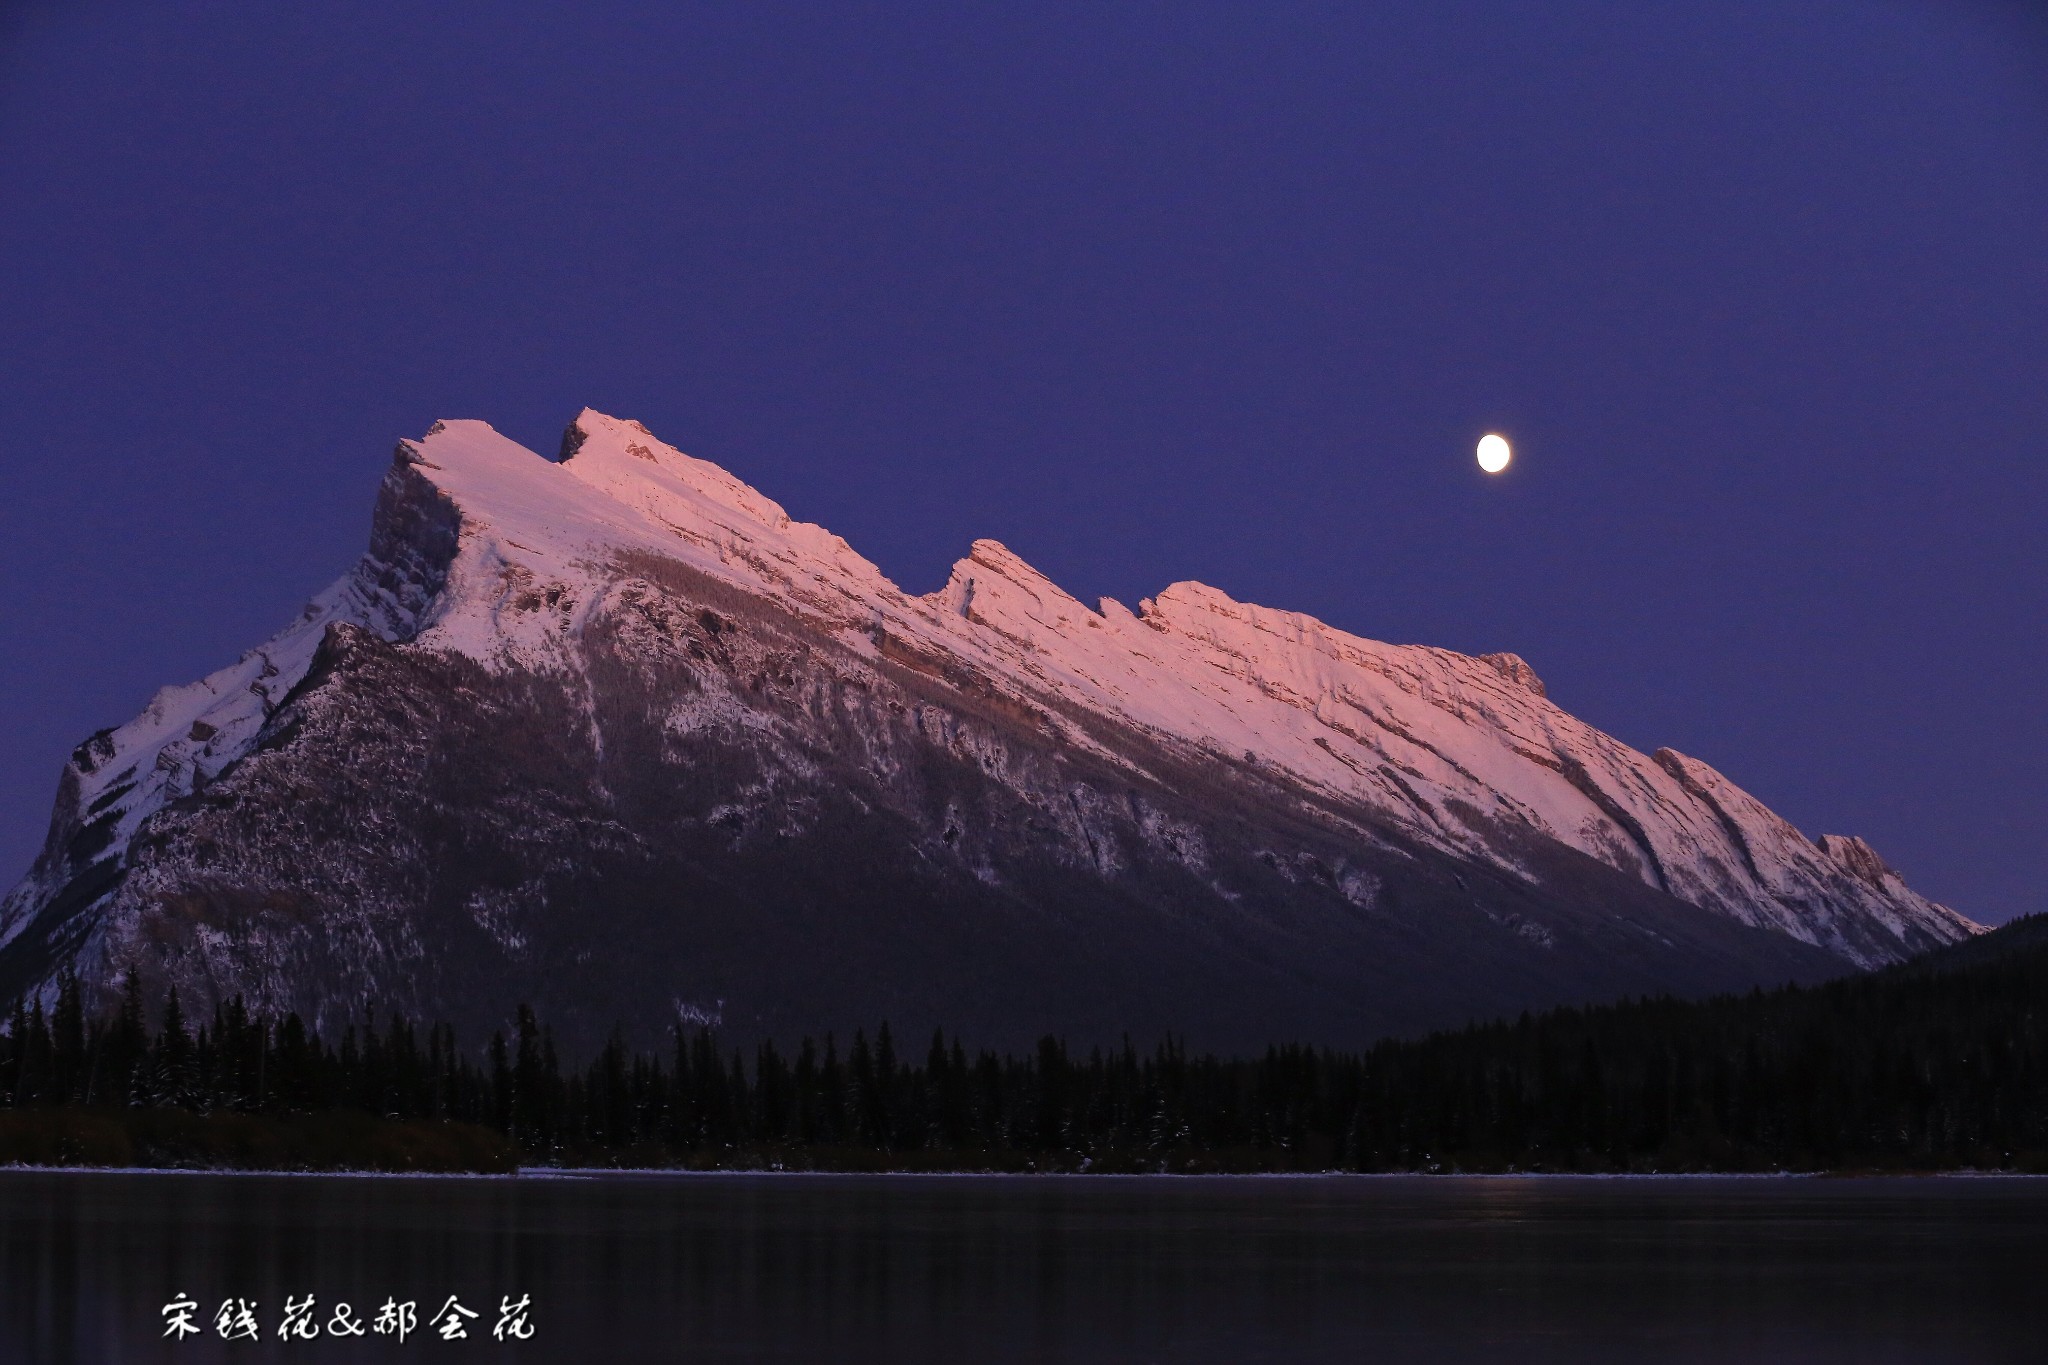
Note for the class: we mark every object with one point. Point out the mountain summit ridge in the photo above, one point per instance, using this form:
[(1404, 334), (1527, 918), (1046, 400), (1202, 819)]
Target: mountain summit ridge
[(624, 567)]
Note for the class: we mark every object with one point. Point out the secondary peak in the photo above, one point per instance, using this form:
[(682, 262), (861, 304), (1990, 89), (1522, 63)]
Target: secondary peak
[(606, 450)]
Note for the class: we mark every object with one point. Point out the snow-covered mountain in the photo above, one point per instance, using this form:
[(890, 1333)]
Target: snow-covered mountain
[(614, 733)]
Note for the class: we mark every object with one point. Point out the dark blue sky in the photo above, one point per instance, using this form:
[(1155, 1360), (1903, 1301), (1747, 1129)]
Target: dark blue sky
[(1147, 292)]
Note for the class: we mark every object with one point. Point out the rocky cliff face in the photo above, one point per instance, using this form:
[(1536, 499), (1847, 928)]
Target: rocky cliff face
[(613, 734)]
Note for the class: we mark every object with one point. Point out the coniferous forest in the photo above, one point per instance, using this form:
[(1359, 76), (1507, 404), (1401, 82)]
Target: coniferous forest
[(1941, 1063)]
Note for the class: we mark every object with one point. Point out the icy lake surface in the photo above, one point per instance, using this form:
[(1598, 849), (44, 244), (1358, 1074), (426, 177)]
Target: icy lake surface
[(907, 1269)]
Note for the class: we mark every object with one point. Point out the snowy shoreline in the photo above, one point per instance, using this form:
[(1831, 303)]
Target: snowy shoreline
[(602, 1173)]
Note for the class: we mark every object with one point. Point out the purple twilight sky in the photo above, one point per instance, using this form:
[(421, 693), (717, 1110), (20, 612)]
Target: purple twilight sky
[(1146, 291)]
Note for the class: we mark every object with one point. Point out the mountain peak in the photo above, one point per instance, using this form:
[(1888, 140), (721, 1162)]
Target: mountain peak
[(608, 452), (713, 670), (1515, 670), (1858, 857), (994, 586), (1415, 731)]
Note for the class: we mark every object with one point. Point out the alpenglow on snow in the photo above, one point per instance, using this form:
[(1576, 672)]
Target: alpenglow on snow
[(611, 733)]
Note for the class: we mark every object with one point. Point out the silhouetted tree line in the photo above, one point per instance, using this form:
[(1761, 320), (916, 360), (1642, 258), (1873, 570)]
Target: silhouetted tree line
[(1910, 1068)]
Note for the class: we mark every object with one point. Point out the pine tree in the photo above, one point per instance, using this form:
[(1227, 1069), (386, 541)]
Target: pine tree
[(67, 1040)]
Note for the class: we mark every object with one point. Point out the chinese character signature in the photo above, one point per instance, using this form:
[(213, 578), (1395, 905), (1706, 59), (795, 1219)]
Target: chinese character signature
[(236, 1320)]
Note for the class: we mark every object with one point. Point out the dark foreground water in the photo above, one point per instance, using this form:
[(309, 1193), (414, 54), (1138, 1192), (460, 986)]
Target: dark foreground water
[(859, 1269)]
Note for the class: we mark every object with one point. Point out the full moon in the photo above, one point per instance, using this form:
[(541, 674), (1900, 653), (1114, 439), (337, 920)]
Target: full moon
[(1494, 453)]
